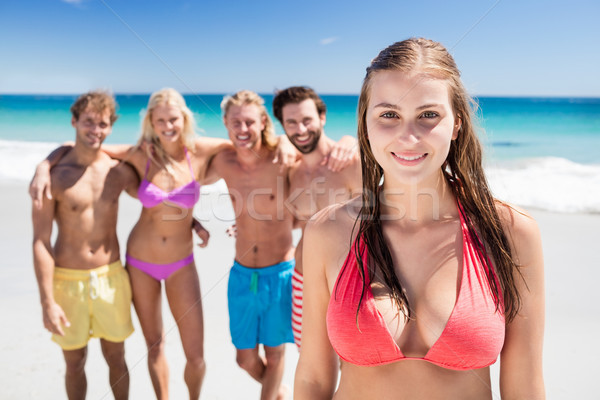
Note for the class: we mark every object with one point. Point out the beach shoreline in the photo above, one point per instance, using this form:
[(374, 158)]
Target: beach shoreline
[(33, 366)]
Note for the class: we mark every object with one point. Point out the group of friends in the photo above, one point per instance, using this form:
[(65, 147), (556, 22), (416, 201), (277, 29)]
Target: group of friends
[(409, 279)]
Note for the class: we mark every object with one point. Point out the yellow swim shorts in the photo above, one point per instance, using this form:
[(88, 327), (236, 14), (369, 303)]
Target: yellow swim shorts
[(97, 303)]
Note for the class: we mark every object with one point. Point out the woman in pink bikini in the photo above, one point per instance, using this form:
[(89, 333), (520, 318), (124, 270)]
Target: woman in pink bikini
[(423, 282)]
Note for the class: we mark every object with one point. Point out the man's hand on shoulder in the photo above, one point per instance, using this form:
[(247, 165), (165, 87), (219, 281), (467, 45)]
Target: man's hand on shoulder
[(40, 184), (285, 154), (342, 154)]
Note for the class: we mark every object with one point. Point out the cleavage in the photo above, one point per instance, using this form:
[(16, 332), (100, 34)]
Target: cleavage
[(432, 294)]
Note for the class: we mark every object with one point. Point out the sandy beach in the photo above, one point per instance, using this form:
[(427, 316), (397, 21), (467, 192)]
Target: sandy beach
[(33, 368)]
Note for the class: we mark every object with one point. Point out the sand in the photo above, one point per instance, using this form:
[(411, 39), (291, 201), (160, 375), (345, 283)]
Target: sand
[(32, 365)]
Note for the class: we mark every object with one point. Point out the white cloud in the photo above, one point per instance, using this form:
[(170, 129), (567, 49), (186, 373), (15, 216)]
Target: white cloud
[(329, 40), (75, 2)]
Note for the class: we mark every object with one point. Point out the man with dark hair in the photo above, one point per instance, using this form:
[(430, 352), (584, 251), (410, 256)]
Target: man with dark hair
[(313, 186), (84, 289)]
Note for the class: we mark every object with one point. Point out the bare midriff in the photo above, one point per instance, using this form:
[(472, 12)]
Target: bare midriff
[(414, 380), (162, 235)]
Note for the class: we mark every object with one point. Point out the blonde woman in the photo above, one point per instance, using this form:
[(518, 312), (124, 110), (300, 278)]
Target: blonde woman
[(160, 245)]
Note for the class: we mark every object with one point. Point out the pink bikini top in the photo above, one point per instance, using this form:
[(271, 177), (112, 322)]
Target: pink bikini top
[(473, 336), (184, 196)]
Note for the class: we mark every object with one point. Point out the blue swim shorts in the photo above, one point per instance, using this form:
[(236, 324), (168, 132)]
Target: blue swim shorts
[(260, 305)]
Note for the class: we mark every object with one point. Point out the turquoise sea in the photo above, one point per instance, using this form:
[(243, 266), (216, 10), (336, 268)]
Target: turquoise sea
[(540, 152)]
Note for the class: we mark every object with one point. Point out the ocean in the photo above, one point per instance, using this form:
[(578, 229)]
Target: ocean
[(541, 153)]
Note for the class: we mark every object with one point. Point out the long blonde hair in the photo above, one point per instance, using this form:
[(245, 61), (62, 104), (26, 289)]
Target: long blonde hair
[(462, 169), (248, 97), (173, 98)]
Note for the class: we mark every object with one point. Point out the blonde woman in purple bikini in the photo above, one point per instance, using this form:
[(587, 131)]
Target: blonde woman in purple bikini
[(160, 246)]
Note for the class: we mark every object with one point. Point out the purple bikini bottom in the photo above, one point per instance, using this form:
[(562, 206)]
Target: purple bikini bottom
[(159, 271)]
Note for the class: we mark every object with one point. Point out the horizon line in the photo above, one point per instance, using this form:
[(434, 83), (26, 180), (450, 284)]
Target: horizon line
[(513, 96)]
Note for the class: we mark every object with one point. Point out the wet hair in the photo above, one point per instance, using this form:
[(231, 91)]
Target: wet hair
[(98, 101), (295, 95), (170, 97), (247, 97), (462, 169)]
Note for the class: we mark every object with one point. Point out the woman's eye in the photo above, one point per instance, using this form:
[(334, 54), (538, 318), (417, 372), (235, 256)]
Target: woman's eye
[(429, 114), (389, 114)]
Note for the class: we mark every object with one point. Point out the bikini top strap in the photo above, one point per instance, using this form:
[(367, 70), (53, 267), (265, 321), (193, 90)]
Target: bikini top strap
[(189, 162), (147, 167)]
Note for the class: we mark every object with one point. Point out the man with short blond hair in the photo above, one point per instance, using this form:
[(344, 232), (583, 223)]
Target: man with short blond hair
[(259, 289)]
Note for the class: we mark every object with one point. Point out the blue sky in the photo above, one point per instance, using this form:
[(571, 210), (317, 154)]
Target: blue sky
[(505, 47)]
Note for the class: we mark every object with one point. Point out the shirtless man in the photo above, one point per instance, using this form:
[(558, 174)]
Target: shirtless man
[(259, 290), (84, 289), (313, 186)]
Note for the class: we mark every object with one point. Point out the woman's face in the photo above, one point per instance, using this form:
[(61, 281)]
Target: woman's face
[(410, 125), (168, 122)]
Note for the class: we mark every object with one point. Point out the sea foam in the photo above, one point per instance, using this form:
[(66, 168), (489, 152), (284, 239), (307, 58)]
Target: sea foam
[(547, 183), (19, 159)]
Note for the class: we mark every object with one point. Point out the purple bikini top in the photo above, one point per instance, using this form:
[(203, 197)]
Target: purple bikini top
[(184, 196)]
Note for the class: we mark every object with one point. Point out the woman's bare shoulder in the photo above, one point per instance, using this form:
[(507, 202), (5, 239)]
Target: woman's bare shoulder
[(335, 223), (522, 230), (337, 215), (516, 221)]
